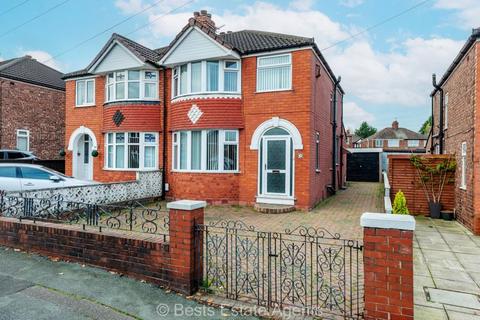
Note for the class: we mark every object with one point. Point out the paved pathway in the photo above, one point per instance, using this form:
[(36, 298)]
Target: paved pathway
[(447, 271), (34, 287), (338, 214)]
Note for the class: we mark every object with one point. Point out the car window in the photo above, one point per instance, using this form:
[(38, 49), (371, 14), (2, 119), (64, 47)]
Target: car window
[(8, 172), (15, 155), (2, 155), (34, 173)]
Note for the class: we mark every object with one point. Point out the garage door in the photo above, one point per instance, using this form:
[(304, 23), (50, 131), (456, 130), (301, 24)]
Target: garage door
[(363, 167)]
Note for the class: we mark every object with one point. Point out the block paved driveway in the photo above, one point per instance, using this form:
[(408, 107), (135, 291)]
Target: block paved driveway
[(338, 214), (446, 271)]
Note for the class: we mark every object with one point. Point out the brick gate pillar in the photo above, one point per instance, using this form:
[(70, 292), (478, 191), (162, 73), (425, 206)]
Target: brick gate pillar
[(185, 248), (388, 265)]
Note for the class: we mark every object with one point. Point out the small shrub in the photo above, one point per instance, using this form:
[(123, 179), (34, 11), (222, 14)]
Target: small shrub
[(400, 204)]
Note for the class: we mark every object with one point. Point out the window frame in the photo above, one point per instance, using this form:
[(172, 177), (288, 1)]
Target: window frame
[(379, 143), (222, 142), (259, 58), (141, 158), (85, 103), (463, 166), (222, 69), (397, 144), (445, 111), (142, 82), (24, 133), (317, 151), (417, 145)]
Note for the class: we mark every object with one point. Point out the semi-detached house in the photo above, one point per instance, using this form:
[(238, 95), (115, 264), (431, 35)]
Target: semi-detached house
[(238, 117)]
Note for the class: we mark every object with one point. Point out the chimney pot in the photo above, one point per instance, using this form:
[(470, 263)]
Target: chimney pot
[(196, 14), (395, 124), (203, 12), (205, 19)]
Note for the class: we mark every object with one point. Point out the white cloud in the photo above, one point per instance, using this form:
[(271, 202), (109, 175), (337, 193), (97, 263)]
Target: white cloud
[(401, 77), (351, 3), (43, 57), (130, 6), (301, 4), (354, 115), (467, 11)]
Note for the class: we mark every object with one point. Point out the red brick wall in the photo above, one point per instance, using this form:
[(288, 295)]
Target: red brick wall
[(463, 117), (98, 118), (388, 268), (37, 109), (402, 176)]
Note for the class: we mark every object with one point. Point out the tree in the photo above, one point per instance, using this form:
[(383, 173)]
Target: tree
[(365, 130), (425, 129)]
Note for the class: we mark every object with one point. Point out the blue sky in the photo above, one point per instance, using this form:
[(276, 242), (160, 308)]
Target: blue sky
[(386, 72)]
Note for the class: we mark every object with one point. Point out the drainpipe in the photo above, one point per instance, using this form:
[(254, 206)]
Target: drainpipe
[(334, 135), (440, 134), (164, 142), (432, 146)]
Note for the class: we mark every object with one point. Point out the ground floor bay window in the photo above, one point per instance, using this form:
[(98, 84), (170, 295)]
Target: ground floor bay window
[(131, 150), (205, 150)]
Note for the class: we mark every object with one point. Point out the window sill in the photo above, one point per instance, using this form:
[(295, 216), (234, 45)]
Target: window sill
[(205, 172), (318, 170), (270, 91), (85, 105), (464, 188), (206, 95), (130, 169)]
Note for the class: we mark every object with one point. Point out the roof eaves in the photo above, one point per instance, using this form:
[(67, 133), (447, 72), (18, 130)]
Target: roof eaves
[(37, 83)]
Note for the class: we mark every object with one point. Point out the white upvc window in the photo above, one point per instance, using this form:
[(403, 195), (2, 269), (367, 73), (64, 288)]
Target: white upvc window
[(85, 92), (23, 140), (413, 143), (274, 73), (378, 143), (463, 179), (131, 150), (206, 77), (205, 151), (131, 85), (393, 143), (317, 151), (445, 117)]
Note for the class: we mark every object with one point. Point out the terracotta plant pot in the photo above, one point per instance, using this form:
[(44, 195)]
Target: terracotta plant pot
[(447, 215), (435, 210)]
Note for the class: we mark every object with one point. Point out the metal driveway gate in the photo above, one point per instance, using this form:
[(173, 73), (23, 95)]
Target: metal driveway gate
[(304, 269)]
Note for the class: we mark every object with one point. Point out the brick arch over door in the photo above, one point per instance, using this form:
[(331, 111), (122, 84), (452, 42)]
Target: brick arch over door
[(274, 123)]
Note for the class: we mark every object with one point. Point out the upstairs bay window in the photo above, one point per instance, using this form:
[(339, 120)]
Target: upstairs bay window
[(132, 85), (274, 73), (85, 92), (131, 150), (205, 151), (203, 77)]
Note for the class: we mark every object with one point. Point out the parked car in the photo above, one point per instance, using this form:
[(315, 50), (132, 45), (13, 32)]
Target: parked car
[(16, 155), (24, 177)]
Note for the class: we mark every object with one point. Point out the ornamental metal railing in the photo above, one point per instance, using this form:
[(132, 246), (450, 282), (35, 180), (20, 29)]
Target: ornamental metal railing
[(306, 270), (131, 216)]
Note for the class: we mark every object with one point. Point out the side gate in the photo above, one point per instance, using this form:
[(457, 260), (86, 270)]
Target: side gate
[(305, 270)]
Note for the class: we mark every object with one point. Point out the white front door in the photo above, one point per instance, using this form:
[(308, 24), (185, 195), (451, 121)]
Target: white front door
[(276, 182), (82, 162)]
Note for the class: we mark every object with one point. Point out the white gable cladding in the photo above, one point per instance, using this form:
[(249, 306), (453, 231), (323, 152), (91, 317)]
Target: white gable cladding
[(195, 45), (117, 58)]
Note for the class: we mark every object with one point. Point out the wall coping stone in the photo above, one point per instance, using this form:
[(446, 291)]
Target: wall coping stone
[(187, 205), (387, 221)]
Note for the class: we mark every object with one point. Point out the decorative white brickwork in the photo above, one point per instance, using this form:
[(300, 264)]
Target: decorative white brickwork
[(194, 113)]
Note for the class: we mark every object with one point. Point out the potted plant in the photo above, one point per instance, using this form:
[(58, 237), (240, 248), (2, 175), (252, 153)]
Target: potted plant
[(400, 204), (433, 178)]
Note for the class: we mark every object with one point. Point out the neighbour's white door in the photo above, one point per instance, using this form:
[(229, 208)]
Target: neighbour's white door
[(83, 158), (276, 166)]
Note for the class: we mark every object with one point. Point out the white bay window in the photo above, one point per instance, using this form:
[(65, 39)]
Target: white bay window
[(274, 73), (206, 77), (205, 150), (132, 85), (131, 150)]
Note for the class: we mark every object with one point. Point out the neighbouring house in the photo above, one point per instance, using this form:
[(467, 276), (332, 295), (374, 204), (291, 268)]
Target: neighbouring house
[(241, 117), (396, 139), (455, 119), (32, 107), (352, 140)]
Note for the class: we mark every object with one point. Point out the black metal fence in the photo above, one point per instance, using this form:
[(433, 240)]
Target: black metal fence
[(131, 216), (310, 271)]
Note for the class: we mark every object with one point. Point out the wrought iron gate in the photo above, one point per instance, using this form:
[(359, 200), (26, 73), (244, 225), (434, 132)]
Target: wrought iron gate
[(304, 269)]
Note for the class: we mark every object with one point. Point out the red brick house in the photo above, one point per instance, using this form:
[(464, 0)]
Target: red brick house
[(455, 119), (32, 113), (239, 117)]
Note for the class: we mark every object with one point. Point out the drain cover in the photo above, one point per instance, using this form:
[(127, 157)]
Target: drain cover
[(454, 298)]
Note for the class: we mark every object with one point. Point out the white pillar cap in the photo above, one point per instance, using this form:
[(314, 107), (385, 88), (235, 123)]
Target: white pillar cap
[(187, 205), (387, 221)]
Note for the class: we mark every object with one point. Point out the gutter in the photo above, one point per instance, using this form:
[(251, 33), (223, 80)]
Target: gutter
[(441, 120), (334, 134)]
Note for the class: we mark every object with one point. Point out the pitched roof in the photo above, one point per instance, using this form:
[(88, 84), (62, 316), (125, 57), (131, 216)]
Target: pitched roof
[(27, 69), (466, 47), (400, 133)]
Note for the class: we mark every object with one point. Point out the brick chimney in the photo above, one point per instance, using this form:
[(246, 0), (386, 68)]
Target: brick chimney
[(204, 18), (395, 124)]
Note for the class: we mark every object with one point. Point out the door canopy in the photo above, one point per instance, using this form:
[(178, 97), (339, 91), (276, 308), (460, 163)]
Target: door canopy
[(276, 122)]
